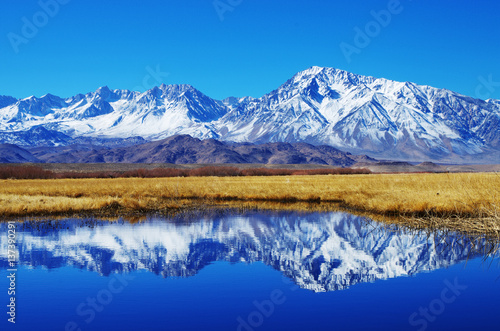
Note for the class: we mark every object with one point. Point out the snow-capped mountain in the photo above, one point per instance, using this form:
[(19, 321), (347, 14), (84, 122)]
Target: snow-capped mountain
[(117, 113), (360, 114), (319, 252), (379, 117)]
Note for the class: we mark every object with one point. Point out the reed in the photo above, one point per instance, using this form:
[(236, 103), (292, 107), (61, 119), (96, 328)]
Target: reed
[(431, 198)]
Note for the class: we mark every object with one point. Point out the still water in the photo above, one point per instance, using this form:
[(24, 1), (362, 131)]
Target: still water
[(246, 271)]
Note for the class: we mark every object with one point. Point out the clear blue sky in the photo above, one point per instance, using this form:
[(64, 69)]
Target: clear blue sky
[(257, 46)]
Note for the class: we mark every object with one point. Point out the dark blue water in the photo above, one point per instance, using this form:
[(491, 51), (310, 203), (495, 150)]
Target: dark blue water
[(252, 271)]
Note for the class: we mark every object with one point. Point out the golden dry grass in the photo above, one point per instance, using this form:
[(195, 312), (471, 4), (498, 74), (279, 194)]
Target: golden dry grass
[(426, 196)]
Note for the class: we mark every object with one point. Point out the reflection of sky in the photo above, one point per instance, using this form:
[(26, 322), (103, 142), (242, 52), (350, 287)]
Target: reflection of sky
[(206, 287), (320, 252), (218, 294)]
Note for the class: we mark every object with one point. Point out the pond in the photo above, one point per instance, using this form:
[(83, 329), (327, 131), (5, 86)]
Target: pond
[(246, 271)]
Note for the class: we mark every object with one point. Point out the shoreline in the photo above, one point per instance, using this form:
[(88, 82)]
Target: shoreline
[(467, 202), (486, 227)]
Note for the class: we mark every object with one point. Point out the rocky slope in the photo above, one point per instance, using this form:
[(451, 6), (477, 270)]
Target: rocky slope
[(183, 149), (322, 106)]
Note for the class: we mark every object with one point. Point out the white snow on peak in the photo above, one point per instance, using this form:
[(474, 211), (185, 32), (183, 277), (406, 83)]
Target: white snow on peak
[(361, 114)]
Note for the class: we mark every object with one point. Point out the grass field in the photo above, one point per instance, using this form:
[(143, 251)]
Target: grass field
[(428, 197)]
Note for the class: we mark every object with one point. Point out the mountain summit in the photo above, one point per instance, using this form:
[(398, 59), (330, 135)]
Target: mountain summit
[(360, 114)]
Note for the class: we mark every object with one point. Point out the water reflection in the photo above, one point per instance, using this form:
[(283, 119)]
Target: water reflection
[(319, 251)]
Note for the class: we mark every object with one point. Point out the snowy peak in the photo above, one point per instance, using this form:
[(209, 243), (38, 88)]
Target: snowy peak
[(103, 91), (323, 106), (329, 77), (200, 107), (115, 113)]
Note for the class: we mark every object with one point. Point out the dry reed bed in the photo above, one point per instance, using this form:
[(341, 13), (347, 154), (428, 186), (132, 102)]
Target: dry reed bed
[(430, 199), (8, 171)]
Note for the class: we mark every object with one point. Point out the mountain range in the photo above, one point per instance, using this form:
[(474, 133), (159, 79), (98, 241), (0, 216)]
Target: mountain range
[(320, 106), (184, 149), (319, 252)]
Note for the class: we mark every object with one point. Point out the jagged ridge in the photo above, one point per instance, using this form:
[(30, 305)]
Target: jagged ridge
[(359, 114)]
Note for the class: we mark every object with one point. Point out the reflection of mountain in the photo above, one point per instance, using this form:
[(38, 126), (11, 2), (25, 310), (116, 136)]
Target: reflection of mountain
[(320, 252)]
